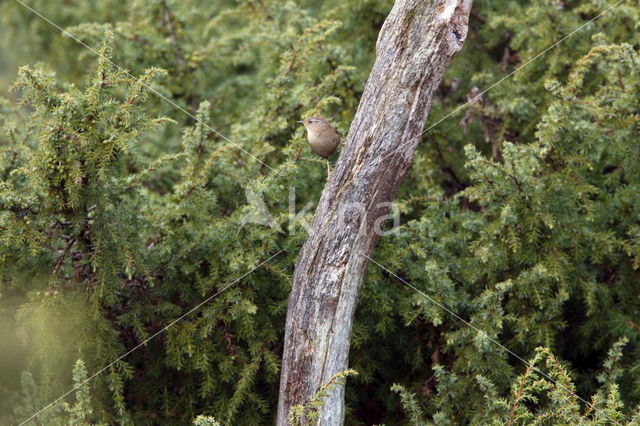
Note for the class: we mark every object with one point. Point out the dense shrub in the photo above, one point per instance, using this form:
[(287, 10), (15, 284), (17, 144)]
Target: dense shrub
[(119, 212)]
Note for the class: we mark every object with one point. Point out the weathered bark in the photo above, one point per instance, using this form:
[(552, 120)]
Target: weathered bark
[(415, 46)]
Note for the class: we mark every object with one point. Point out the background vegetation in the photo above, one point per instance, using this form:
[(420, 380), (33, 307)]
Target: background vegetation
[(119, 212)]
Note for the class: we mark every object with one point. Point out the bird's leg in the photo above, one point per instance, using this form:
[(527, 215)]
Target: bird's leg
[(328, 169)]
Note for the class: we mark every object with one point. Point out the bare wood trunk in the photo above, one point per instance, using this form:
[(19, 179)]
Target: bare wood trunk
[(415, 46)]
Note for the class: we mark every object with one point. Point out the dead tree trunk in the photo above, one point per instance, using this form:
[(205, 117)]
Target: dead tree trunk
[(415, 46)]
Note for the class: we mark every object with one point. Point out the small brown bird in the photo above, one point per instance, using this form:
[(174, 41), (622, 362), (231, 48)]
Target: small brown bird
[(322, 136)]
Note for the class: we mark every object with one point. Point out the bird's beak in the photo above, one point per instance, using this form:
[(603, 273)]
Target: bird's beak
[(300, 122)]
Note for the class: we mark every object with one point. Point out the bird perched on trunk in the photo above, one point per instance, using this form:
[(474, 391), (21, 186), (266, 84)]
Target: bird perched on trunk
[(322, 136)]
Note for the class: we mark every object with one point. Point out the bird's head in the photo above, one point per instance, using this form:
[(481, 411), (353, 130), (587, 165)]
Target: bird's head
[(315, 123)]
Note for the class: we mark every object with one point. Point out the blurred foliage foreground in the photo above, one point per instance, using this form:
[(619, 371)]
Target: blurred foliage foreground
[(119, 213)]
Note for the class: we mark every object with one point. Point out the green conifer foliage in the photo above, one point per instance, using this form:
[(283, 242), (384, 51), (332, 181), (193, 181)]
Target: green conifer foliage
[(539, 249), (120, 211)]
